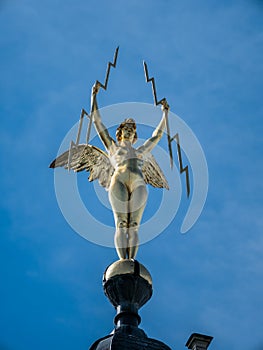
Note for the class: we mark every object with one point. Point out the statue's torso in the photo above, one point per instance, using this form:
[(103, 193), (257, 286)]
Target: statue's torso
[(127, 163)]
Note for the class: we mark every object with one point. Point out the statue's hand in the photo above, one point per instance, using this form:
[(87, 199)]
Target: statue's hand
[(165, 105), (95, 88)]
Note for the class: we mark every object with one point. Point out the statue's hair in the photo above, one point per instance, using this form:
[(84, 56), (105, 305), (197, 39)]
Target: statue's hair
[(119, 129)]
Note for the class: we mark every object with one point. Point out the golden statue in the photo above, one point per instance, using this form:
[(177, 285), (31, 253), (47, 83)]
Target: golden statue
[(124, 171)]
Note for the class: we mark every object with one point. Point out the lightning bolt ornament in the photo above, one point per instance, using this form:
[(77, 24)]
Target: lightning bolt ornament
[(164, 103), (110, 64), (83, 112), (181, 167)]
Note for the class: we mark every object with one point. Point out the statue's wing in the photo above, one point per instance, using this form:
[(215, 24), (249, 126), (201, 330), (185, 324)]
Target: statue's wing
[(62, 160), (89, 158), (152, 173), (97, 163)]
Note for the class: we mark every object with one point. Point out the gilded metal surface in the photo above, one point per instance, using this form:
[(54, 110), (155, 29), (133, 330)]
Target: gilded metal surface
[(126, 266), (123, 170), (170, 139)]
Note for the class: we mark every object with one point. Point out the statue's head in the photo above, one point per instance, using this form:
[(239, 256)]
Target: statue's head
[(127, 131)]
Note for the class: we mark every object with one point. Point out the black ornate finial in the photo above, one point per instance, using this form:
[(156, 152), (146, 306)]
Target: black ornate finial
[(128, 286)]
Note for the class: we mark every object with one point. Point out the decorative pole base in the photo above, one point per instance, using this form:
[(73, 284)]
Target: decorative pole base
[(128, 286)]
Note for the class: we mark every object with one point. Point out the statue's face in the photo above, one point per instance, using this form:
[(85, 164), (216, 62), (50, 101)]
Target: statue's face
[(128, 132)]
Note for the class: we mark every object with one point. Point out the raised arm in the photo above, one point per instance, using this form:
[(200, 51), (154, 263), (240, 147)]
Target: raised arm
[(101, 129), (158, 132)]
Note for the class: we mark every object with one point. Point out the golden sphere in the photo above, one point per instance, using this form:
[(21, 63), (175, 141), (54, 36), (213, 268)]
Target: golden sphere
[(127, 266)]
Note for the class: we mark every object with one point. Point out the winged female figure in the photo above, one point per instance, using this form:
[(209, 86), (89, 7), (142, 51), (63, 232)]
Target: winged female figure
[(124, 171)]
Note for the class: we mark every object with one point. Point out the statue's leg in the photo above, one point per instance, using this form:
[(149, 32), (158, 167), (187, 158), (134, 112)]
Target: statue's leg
[(137, 204), (119, 197)]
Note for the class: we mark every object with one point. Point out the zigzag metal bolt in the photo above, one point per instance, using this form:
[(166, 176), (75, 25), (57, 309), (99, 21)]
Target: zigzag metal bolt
[(164, 103), (110, 64), (181, 168)]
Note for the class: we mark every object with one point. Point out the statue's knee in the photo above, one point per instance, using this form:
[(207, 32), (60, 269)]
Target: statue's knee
[(122, 224), (133, 224)]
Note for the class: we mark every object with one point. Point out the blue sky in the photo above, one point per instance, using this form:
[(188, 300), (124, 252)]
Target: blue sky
[(207, 59)]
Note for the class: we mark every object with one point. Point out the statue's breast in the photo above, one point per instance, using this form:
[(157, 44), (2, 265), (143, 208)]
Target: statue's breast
[(126, 155)]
